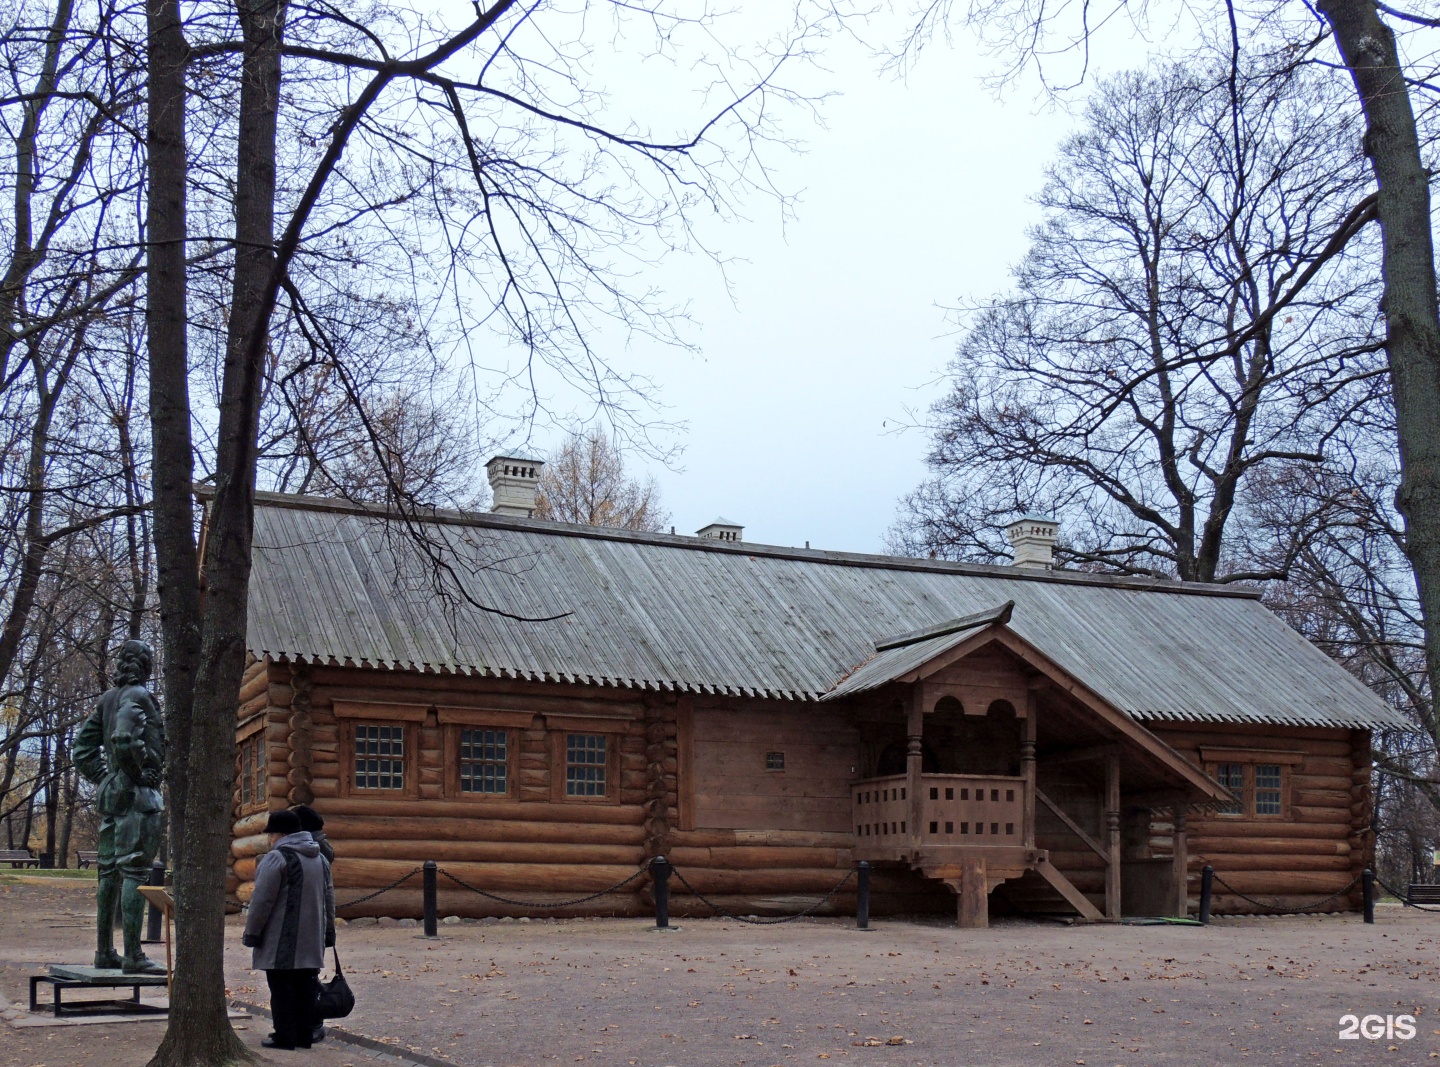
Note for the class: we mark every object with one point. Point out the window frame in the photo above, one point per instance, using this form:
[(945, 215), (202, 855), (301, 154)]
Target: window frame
[(410, 765), (1248, 794), (559, 762), (453, 719), (251, 738)]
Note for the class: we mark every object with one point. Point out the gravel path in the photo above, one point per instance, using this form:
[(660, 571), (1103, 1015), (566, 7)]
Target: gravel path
[(611, 992)]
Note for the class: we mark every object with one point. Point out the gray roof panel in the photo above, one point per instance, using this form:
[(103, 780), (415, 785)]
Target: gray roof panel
[(335, 583)]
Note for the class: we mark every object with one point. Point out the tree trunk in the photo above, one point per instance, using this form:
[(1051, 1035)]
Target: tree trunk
[(200, 1032), (1412, 318)]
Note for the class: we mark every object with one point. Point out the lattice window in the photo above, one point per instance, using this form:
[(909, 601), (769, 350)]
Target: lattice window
[(1268, 789), (585, 760), (484, 762), (252, 771), (1232, 777), (379, 756), (774, 761)]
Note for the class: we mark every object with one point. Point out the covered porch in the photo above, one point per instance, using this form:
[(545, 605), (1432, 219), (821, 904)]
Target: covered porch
[(984, 765)]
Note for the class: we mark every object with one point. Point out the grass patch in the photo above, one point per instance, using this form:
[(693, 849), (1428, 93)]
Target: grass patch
[(31, 875)]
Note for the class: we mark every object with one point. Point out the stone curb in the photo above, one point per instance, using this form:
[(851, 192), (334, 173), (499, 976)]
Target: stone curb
[(350, 1037)]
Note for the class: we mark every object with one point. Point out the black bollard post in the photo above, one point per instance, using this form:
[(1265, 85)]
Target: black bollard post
[(862, 897), (1367, 882), (1207, 888), (153, 917), (430, 905), (660, 875)]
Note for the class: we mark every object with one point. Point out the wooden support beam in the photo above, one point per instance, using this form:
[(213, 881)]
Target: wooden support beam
[(914, 763), (1027, 767), (1112, 827), (1073, 826), (1062, 885), (974, 894), (1180, 864)]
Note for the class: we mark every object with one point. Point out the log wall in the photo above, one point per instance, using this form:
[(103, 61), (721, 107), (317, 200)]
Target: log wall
[(1317, 847)]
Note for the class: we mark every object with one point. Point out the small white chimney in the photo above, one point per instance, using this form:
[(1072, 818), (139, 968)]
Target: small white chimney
[(1032, 539), (721, 529), (513, 483)]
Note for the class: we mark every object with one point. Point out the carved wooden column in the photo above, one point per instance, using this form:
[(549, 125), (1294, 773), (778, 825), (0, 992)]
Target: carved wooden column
[(1112, 837), (1027, 767), (1180, 863), (974, 892), (914, 765)]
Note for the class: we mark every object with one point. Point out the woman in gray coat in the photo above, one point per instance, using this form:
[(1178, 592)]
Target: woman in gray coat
[(291, 923)]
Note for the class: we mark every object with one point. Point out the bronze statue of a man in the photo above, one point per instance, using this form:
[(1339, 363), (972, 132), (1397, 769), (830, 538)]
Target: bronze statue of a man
[(121, 748)]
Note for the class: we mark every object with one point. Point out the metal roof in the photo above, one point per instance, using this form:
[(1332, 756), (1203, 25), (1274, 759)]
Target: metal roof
[(336, 583)]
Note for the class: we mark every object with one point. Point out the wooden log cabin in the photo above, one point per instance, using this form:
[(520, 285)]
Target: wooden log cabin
[(559, 703)]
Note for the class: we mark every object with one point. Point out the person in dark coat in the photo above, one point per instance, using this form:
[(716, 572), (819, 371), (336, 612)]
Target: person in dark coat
[(312, 820), (291, 923)]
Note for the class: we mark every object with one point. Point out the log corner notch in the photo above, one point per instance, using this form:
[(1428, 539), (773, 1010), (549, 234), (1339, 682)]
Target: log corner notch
[(299, 778), (661, 776), (1362, 836), (268, 694)]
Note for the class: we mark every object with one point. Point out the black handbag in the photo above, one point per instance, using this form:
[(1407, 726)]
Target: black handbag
[(336, 999)]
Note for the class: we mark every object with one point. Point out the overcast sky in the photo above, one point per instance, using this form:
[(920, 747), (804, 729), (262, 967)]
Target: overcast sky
[(834, 334)]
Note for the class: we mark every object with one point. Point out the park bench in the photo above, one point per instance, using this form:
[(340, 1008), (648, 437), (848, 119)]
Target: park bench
[(1421, 893), (18, 857), (84, 858)]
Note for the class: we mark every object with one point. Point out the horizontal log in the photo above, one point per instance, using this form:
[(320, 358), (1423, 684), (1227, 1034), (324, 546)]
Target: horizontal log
[(419, 850), (785, 880), (251, 824), (1269, 883), (1277, 862), (244, 891), (252, 845), (758, 858), (245, 868), (325, 787), (1219, 846), (1322, 798), (589, 877), (1247, 829), (1321, 781), (281, 695), (277, 732), (1234, 735), (491, 811)]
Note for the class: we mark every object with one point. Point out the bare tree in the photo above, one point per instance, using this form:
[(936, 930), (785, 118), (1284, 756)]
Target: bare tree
[(585, 482), (1186, 318), (476, 165), (1034, 33)]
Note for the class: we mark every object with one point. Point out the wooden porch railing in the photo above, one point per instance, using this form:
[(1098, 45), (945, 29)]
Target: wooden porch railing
[(954, 809)]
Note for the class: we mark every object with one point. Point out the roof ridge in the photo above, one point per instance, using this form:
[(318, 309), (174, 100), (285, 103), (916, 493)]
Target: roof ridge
[(457, 517)]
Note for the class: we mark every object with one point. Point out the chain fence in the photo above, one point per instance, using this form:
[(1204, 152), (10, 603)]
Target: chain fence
[(371, 896), (640, 872), (1281, 910), (545, 904), (755, 920), (1404, 898)]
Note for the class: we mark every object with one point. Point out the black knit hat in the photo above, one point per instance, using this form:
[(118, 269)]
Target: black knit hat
[(283, 822), (310, 819)]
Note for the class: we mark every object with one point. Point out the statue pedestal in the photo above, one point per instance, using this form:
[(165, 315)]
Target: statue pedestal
[(62, 977)]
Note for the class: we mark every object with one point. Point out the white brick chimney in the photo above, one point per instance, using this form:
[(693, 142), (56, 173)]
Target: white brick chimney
[(1032, 539), (513, 483), (721, 529)]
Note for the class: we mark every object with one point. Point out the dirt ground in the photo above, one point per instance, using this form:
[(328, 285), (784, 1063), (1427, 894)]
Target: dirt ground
[(612, 992)]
